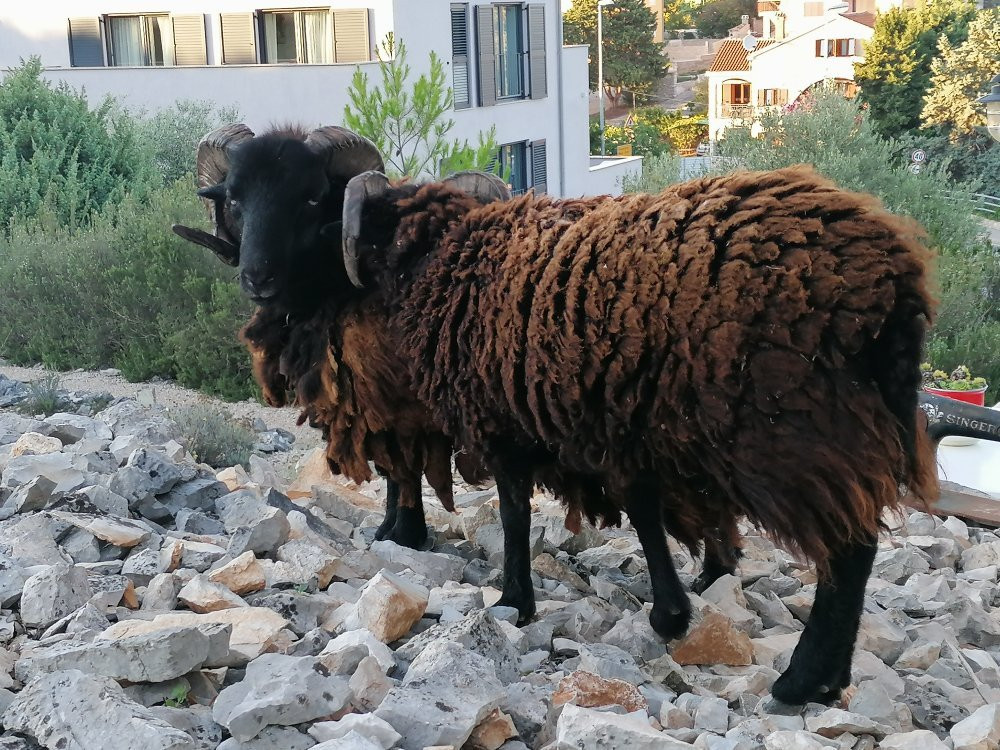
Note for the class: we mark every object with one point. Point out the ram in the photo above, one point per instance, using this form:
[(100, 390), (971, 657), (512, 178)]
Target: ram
[(276, 201), (735, 347)]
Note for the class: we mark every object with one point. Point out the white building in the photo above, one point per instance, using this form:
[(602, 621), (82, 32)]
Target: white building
[(293, 62), (804, 43)]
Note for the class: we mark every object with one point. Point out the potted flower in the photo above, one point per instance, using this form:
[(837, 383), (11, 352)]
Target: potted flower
[(959, 385)]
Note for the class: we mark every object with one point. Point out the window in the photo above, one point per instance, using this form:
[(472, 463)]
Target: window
[(835, 47), (510, 48), (863, 6), (140, 40), (513, 163), (772, 97), (737, 93), (297, 36), (812, 9), (508, 41)]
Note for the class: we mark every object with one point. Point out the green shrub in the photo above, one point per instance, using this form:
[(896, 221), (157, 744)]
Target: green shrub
[(172, 134), (125, 292), (44, 396), (658, 172), (60, 160), (212, 436)]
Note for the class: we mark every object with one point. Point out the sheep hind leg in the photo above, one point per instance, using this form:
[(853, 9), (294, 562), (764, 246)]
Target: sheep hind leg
[(671, 612), (410, 528), (821, 663), (722, 555), (514, 489)]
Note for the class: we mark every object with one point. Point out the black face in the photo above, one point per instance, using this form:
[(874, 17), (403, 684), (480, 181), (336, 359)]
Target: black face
[(278, 195)]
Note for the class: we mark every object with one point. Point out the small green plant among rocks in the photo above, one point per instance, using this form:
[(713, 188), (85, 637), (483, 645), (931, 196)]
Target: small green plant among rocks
[(213, 436), (44, 396), (178, 697), (960, 379)]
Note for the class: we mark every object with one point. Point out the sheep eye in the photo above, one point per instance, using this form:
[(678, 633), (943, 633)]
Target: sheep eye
[(313, 201), (233, 202)]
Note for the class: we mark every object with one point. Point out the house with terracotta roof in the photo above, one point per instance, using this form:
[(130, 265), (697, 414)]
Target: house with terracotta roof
[(803, 44)]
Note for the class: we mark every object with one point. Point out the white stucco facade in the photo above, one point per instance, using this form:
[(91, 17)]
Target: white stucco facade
[(314, 94), (810, 50)]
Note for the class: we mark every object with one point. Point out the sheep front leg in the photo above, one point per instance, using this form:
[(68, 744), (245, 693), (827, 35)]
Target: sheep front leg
[(671, 607), (391, 508), (514, 489), (821, 663)]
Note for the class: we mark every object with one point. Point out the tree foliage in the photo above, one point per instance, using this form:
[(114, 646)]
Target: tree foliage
[(715, 18), (173, 134), (896, 71), (408, 120), (960, 74), (632, 60), (60, 159)]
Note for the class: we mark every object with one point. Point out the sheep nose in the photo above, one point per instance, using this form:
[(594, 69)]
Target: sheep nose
[(259, 286)]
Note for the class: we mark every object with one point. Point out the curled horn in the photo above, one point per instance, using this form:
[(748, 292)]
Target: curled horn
[(359, 189), (213, 165), (345, 153), (485, 187)]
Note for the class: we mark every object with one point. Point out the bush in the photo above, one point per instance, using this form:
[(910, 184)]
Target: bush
[(60, 161), (172, 134), (45, 396), (128, 293), (213, 437), (658, 172)]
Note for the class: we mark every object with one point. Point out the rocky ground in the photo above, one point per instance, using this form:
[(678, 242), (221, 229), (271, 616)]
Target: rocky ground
[(150, 601)]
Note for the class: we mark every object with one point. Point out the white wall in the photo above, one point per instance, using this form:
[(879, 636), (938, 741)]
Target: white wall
[(316, 94), (40, 28), (793, 65)]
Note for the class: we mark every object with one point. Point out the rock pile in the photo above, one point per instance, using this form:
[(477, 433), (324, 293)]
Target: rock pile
[(150, 601)]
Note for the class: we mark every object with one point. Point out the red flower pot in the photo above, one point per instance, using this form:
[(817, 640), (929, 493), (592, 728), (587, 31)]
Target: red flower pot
[(976, 397)]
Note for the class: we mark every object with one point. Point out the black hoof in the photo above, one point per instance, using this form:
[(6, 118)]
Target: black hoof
[(383, 531), (407, 535), (794, 688), (525, 607), (670, 625), (702, 582)]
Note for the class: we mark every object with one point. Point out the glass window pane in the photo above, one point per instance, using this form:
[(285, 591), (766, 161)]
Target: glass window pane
[(317, 47), (507, 42), (126, 40), (159, 39), (279, 37)]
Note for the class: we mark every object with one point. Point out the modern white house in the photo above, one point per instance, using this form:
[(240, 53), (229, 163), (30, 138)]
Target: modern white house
[(803, 44), (293, 62)]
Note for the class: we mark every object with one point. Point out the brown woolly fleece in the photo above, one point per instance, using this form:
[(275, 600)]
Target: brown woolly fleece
[(752, 342), (350, 383)]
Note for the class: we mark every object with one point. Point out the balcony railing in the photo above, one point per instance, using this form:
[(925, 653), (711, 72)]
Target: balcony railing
[(737, 111)]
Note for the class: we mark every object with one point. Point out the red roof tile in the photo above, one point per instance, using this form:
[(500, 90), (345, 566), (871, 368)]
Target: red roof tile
[(733, 56)]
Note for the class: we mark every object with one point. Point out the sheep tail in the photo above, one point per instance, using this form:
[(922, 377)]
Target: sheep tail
[(896, 359)]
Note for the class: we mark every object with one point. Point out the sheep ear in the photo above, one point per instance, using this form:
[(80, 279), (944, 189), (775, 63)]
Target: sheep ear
[(359, 190), (485, 187), (225, 251)]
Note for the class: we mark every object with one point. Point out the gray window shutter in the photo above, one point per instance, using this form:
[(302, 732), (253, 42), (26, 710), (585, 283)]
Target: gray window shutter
[(189, 40), (539, 167), (350, 36), (239, 43), (536, 51), (85, 43), (460, 55), (487, 56)]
